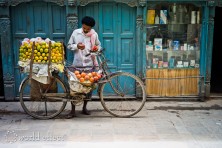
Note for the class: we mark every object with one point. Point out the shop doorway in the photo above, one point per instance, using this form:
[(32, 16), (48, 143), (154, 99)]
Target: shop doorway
[(216, 73)]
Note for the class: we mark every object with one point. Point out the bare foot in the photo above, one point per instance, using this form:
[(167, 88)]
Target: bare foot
[(71, 115), (85, 112)]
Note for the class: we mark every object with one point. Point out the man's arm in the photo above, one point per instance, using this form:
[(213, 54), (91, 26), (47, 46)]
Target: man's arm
[(97, 42), (72, 43)]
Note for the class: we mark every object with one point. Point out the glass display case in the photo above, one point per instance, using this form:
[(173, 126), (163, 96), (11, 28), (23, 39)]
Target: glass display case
[(173, 48)]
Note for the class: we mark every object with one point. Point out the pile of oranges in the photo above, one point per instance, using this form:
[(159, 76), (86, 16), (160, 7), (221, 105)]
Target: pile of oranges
[(87, 77)]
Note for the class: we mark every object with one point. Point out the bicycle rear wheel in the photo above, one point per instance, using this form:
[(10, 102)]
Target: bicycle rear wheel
[(35, 100), (124, 95)]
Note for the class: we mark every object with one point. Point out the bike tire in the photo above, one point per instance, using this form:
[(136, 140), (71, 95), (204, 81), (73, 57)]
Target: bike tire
[(38, 106), (128, 98)]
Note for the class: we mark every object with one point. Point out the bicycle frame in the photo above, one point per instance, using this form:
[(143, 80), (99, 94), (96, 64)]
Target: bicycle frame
[(105, 79), (122, 97)]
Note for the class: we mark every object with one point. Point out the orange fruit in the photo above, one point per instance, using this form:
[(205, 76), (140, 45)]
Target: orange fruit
[(90, 74), (99, 76), (81, 80), (91, 79), (86, 77), (76, 72), (96, 78), (94, 73), (83, 74), (78, 76)]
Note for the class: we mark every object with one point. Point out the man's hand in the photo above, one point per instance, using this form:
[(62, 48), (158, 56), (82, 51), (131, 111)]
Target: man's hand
[(80, 46), (95, 48)]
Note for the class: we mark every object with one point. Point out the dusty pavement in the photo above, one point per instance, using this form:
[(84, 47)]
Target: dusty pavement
[(167, 124)]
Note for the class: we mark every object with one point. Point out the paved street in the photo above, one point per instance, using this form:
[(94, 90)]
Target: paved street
[(167, 124)]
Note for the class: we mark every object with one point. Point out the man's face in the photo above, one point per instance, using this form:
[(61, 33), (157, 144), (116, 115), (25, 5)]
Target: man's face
[(86, 28)]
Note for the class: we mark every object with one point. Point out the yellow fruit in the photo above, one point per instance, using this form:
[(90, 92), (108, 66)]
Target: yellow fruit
[(38, 47), (53, 50), (21, 50), (57, 58), (40, 58), (21, 54), (53, 61), (39, 61), (41, 50), (29, 46), (43, 54), (46, 50), (38, 53), (59, 44), (35, 51), (43, 43), (25, 44), (36, 58), (45, 58)]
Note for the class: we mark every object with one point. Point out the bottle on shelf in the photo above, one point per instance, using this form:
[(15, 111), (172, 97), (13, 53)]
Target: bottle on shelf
[(198, 17), (174, 8), (157, 19), (193, 17)]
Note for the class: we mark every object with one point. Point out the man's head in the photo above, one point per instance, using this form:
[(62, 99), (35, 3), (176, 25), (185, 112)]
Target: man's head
[(87, 23)]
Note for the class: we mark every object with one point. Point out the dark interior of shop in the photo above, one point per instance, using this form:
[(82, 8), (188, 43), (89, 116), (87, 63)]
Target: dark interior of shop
[(216, 72), (1, 76)]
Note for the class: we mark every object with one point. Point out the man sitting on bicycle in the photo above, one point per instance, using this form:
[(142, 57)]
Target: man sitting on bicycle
[(81, 42)]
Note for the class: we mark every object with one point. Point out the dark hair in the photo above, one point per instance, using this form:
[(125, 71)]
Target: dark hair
[(89, 21)]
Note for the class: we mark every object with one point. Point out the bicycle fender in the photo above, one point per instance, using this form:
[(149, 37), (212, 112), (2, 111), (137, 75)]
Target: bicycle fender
[(20, 86)]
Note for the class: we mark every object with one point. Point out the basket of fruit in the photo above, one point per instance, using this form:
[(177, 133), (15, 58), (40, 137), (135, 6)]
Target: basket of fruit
[(87, 79), (41, 57), (82, 81), (39, 51)]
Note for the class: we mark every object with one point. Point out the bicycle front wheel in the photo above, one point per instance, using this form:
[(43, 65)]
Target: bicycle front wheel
[(123, 95), (42, 101)]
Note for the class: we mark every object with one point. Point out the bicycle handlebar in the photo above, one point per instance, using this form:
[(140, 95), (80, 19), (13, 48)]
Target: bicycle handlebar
[(97, 52)]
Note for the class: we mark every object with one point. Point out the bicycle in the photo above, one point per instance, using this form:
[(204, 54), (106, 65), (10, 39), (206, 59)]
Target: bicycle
[(121, 94)]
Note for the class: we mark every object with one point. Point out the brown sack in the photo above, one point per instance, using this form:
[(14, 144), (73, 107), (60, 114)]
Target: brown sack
[(36, 86)]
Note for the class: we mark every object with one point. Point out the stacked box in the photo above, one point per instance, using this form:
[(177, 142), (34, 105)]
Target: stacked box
[(150, 16), (163, 16)]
